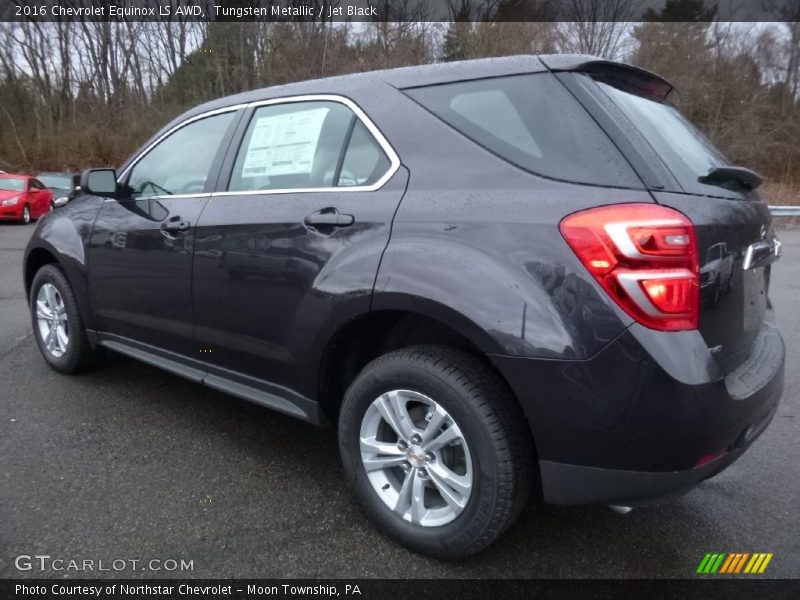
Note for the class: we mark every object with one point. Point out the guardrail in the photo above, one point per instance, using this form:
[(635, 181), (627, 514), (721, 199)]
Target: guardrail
[(785, 211)]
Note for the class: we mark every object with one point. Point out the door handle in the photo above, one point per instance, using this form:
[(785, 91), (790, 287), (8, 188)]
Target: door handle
[(175, 225), (328, 219)]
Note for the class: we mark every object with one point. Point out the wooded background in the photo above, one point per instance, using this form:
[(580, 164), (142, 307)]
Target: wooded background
[(80, 94)]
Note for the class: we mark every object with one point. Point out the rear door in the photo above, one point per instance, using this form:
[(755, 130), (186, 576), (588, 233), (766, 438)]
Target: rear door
[(140, 250), (735, 236), (293, 238)]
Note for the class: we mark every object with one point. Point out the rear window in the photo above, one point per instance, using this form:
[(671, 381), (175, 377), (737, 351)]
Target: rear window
[(533, 122), (685, 151)]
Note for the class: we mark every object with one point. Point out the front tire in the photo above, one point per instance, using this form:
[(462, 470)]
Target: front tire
[(436, 450), (26, 215), (57, 322)]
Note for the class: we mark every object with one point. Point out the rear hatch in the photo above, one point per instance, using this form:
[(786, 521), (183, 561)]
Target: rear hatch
[(735, 236)]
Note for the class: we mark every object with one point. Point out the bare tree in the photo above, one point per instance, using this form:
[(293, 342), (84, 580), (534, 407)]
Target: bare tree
[(78, 93), (597, 27)]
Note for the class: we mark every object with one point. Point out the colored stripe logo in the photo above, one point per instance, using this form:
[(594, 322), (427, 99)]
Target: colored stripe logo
[(734, 562)]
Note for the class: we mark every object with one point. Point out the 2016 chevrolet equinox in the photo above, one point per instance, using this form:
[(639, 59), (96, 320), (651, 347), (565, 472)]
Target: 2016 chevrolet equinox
[(499, 277)]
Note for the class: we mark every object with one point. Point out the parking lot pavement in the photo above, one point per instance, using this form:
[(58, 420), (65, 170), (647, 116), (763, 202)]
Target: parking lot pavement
[(14, 317), (129, 462)]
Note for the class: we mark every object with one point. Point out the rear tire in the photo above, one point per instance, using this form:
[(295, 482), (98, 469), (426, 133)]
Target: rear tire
[(53, 303), (488, 429)]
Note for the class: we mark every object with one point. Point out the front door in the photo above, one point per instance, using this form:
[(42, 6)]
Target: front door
[(296, 235), (140, 250)]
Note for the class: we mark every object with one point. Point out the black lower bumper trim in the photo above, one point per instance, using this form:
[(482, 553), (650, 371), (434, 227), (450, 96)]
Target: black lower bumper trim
[(568, 484), (574, 484)]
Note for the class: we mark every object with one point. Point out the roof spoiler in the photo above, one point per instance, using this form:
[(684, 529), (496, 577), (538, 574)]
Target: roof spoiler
[(627, 77)]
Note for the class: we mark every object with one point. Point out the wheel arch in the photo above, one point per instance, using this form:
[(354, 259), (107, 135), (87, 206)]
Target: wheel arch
[(43, 254), (36, 259), (371, 334)]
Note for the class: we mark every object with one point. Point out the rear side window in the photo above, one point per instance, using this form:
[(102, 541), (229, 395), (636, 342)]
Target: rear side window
[(296, 145), (364, 161), (307, 145), (533, 122)]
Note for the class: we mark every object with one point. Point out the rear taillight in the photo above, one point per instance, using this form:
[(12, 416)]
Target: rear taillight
[(645, 257)]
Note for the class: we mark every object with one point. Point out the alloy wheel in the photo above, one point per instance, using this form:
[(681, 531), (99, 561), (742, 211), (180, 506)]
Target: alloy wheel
[(51, 317), (416, 458)]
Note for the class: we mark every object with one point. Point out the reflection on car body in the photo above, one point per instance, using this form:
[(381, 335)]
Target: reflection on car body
[(716, 273)]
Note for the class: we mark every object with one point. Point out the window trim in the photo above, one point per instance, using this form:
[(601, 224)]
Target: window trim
[(394, 159)]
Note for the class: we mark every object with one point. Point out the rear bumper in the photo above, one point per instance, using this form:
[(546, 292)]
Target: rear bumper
[(573, 484), (648, 417)]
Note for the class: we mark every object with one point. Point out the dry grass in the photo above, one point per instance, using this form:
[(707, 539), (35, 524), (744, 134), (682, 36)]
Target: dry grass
[(780, 193)]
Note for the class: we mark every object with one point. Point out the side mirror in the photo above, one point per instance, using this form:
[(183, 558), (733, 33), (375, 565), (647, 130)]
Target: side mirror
[(100, 182)]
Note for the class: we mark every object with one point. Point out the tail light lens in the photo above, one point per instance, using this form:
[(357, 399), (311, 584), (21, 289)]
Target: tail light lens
[(645, 257)]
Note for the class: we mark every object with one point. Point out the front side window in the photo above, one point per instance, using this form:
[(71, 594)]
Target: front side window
[(180, 164), (533, 122), (306, 145)]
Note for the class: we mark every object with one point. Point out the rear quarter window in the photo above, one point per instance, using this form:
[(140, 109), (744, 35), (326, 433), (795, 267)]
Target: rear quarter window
[(533, 122)]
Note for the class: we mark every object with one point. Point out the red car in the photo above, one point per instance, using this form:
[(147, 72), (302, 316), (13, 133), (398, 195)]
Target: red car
[(23, 198)]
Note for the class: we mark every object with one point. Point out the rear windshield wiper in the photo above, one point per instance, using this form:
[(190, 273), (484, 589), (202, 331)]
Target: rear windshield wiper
[(732, 178)]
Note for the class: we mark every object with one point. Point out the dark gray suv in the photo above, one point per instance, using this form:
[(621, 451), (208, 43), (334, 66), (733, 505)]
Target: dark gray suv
[(487, 274)]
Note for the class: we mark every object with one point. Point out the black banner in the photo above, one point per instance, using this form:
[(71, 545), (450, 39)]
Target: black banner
[(399, 10), (406, 589)]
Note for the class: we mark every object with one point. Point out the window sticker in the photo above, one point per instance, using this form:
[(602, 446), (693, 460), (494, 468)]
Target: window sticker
[(284, 144)]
